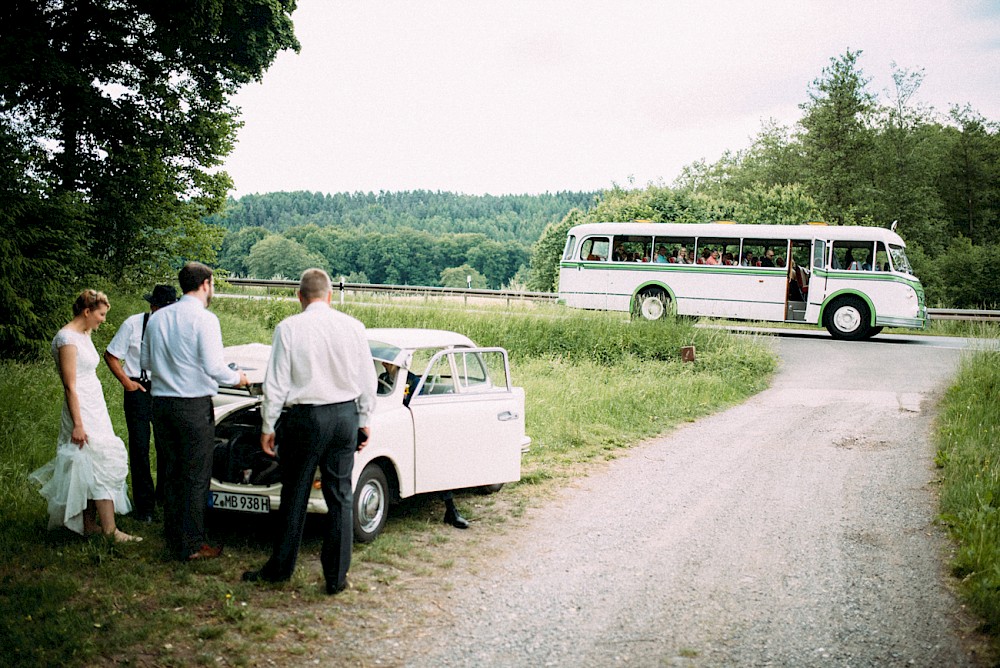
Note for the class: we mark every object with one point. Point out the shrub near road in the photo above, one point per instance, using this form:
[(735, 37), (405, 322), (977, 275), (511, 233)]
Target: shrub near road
[(594, 384)]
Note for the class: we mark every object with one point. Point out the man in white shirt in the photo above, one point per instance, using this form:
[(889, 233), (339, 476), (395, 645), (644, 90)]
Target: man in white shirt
[(182, 350), (122, 357), (322, 376)]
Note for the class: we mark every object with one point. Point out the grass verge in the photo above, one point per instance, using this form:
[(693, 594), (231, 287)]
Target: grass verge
[(595, 384), (969, 458)]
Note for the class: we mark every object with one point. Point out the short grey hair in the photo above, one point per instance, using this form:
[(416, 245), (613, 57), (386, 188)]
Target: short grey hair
[(314, 284)]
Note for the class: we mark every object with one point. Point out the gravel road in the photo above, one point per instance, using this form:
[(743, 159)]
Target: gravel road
[(793, 530)]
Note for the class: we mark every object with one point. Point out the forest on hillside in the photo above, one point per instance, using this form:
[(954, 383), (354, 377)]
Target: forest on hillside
[(402, 238)]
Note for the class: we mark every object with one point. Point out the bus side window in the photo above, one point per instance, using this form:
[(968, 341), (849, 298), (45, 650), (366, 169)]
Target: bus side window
[(680, 250), (632, 249), (595, 249)]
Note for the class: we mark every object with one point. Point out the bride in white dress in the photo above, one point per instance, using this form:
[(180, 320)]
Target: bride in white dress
[(85, 482)]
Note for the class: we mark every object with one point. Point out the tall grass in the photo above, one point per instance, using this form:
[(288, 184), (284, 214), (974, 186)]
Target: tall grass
[(595, 383), (969, 457)]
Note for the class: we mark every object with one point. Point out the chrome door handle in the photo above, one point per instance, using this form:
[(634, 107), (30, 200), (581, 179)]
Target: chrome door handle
[(506, 416)]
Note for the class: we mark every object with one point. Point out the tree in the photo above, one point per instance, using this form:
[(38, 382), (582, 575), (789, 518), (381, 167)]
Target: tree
[(776, 205), (276, 256), (458, 277), (544, 272), (835, 138), (236, 249), (122, 113), (908, 151), (973, 191)]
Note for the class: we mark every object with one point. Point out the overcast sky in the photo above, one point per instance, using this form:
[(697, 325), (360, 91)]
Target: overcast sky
[(529, 96)]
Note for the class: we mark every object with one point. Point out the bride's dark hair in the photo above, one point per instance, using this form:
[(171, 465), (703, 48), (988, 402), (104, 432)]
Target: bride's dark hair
[(89, 299)]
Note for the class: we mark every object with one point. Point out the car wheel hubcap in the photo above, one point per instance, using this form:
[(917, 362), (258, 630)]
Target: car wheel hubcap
[(371, 505)]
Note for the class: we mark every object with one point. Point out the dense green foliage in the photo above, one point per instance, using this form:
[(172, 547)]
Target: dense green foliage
[(970, 493), (405, 238), (113, 118)]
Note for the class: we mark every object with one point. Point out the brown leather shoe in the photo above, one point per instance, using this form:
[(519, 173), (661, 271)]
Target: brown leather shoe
[(206, 552)]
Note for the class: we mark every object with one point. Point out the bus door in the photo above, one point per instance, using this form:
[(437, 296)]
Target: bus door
[(817, 280), (799, 259)]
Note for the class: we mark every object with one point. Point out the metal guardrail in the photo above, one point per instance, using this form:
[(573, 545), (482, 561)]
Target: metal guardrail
[(513, 295), (509, 295), (963, 314)]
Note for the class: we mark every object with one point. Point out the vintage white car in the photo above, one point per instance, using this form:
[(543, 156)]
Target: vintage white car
[(446, 417)]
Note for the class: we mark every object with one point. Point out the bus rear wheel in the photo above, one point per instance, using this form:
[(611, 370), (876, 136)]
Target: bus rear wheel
[(848, 319), (651, 304)]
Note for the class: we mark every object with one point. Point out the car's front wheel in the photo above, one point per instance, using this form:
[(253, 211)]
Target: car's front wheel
[(371, 504)]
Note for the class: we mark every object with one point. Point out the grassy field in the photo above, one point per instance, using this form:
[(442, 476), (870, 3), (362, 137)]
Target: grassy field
[(595, 384), (969, 457)]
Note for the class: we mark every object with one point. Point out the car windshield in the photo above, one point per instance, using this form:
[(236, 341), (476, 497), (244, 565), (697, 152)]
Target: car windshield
[(383, 351), (899, 261)]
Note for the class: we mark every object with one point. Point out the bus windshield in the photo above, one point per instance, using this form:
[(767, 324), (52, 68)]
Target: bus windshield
[(899, 261)]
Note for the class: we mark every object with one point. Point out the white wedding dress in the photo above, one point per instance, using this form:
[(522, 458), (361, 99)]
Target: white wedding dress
[(98, 469)]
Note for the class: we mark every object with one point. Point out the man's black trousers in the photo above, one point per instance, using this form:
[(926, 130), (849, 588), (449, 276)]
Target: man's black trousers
[(185, 433), (310, 437)]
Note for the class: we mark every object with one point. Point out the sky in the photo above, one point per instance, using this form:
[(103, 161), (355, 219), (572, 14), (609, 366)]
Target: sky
[(534, 96)]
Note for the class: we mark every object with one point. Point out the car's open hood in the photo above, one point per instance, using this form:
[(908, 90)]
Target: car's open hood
[(251, 358)]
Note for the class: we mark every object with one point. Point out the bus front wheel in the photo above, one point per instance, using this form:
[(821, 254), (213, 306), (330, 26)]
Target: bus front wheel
[(651, 304), (848, 319)]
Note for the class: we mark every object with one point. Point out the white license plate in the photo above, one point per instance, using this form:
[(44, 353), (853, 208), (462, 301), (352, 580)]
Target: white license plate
[(248, 503)]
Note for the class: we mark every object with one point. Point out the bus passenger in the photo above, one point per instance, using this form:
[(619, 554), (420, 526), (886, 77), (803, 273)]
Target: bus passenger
[(661, 255), (768, 259), (852, 264), (727, 259), (682, 256), (748, 260), (713, 257)]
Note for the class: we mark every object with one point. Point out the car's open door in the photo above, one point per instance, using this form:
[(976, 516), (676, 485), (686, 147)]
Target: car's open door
[(468, 421)]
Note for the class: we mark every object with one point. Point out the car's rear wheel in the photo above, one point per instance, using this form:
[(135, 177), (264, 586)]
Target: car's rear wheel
[(371, 504)]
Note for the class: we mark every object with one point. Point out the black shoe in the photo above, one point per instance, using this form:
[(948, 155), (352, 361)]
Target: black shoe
[(452, 517), (333, 590)]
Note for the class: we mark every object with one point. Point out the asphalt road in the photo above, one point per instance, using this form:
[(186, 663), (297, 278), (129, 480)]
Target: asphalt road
[(796, 529)]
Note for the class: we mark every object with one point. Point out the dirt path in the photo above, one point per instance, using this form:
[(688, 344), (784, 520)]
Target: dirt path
[(796, 529)]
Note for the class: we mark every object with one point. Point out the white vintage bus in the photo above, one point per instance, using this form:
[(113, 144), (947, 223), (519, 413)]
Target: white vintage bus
[(852, 280)]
